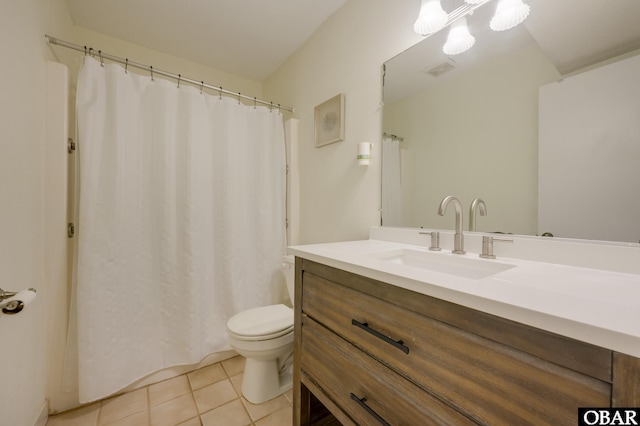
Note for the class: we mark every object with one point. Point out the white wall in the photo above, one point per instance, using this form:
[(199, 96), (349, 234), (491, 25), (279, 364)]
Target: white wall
[(340, 200), (22, 89)]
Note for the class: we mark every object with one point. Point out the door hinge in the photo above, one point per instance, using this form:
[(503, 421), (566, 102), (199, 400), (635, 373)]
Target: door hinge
[(71, 146), (71, 230)]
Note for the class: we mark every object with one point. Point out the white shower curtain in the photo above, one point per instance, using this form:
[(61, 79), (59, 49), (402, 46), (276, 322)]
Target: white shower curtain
[(392, 209), (181, 222)]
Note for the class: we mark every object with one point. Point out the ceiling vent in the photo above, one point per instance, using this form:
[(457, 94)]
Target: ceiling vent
[(438, 70)]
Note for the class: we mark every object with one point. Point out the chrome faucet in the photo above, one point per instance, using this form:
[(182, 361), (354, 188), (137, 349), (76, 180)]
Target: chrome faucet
[(458, 239), (476, 205)]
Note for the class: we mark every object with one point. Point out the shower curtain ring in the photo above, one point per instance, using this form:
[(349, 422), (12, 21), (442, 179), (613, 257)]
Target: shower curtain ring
[(239, 98), (100, 56), (179, 77), (126, 65), (220, 92), (85, 51), (91, 52), (151, 70), (254, 102), (201, 86)]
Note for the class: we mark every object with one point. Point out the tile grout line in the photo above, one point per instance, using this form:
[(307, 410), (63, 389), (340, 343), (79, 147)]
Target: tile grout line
[(195, 404), (239, 393), (148, 407), (193, 397), (99, 413)]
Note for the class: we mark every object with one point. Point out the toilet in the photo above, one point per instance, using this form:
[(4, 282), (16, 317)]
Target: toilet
[(264, 336)]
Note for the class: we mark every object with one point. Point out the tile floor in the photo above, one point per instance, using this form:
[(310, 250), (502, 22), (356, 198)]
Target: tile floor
[(209, 396)]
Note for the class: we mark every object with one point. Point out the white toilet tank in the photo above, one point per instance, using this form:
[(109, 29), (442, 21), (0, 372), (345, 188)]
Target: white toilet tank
[(289, 267)]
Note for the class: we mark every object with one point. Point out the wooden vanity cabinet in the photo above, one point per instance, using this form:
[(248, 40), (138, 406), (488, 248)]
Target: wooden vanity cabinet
[(373, 353)]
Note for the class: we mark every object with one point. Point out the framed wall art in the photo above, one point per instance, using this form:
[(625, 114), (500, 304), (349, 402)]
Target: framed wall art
[(329, 121)]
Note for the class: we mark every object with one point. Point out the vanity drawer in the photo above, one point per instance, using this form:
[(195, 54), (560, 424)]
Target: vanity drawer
[(367, 391), (486, 380)]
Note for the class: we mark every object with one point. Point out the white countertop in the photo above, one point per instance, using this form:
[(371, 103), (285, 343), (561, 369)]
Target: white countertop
[(592, 305)]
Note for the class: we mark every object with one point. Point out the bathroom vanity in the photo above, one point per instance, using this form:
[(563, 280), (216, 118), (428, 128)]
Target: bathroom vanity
[(383, 339)]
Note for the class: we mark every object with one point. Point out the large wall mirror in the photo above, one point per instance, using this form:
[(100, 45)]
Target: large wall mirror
[(541, 121)]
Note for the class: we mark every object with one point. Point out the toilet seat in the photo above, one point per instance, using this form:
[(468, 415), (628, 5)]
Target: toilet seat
[(263, 323)]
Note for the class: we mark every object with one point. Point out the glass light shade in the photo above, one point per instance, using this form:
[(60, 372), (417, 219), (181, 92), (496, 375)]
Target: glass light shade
[(460, 39), (509, 13), (473, 1), (432, 18)]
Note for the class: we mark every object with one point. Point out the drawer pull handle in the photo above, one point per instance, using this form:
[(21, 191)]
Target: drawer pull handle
[(363, 403), (396, 343)]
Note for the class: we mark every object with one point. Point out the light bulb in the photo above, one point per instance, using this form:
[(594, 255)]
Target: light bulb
[(432, 18), (460, 39), (509, 13)]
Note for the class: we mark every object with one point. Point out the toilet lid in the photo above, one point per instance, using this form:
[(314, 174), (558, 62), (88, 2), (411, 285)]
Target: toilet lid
[(262, 321)]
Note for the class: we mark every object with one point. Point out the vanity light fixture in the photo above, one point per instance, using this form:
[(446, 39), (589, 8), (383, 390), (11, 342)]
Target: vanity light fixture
[(460, 39), (432, 18), (509, 13)]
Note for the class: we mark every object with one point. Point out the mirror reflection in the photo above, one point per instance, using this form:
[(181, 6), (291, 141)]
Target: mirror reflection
[(542, 122)]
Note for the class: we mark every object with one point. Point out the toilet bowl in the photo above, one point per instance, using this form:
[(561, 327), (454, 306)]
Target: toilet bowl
[(264, 336)]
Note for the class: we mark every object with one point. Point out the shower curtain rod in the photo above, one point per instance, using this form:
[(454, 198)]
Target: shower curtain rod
[(127, 63), (394, 137)]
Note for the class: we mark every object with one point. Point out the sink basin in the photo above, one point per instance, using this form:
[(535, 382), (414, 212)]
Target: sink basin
[(457, 265)]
